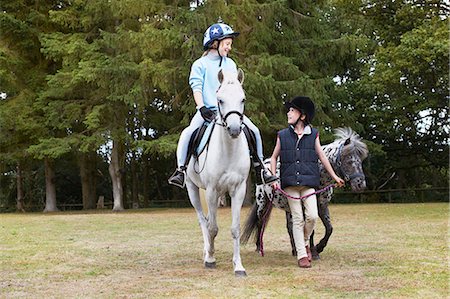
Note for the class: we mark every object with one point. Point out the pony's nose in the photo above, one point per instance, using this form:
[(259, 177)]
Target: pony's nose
[(234, 131), (358, 184)]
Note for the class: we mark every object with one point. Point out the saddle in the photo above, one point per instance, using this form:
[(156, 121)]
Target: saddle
[(200, 139), (251, 139), (201, 136)]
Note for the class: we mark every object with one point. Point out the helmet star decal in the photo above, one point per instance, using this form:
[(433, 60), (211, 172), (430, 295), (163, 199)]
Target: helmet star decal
[(215, 31)]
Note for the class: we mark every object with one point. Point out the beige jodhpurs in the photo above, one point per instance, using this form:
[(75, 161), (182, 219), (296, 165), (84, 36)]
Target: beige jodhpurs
[(302, 227)]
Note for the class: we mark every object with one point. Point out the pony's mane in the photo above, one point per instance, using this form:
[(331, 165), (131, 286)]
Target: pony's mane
[(356, 142)]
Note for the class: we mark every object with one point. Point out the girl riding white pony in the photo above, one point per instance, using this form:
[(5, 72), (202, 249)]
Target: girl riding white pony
[(217, 42)]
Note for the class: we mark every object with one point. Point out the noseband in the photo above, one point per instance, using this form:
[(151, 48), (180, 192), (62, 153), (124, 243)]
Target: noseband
[(347, 177), (224, 118)]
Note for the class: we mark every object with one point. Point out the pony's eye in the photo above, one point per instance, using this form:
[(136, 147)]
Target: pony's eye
[(243, 101), (220, 101)]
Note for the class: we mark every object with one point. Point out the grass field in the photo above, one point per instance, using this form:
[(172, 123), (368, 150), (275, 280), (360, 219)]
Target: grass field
[(376, 251)]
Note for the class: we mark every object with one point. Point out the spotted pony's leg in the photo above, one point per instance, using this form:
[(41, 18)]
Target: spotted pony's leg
[(262, 202), (324, 215), (314, 253), (290, 232)]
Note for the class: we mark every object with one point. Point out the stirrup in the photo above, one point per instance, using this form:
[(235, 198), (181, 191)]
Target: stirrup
[(178, 178)]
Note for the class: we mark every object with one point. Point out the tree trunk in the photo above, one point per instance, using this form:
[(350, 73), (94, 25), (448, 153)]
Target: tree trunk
[(116, 177), (20, 193), (145, 186), (158, 189), (124, 188), (88, 180), (134, 184), (93, 180), (50, 188)]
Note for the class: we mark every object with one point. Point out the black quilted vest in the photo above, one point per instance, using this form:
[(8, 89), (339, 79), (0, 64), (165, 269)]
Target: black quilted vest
[(299, 160)]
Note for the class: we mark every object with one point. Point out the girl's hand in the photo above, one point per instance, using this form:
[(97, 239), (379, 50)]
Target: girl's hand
[(207, 114), (275, 185), (340, 182)]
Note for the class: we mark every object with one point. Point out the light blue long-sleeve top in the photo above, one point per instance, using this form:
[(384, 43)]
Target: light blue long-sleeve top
[(203, 77)]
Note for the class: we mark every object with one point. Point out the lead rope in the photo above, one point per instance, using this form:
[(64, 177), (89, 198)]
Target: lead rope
[(307, 195), (269, 210)]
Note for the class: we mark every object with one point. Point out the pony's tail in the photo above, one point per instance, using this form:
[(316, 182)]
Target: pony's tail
[(251, 224), (254, 225)]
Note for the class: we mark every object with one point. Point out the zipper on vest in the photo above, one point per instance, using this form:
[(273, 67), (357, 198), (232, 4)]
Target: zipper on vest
[(298, 140)]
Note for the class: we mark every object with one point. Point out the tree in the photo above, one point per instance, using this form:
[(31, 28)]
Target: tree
[(400, 92), (22, 77), (115, 65)]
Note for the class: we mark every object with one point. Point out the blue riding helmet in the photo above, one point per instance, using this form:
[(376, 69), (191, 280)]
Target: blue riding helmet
[(218, 31)]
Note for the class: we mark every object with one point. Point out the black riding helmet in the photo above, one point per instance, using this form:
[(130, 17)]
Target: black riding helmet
[(303, 104)]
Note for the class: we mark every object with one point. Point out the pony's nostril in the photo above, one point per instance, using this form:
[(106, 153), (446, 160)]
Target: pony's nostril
[(234, 132)]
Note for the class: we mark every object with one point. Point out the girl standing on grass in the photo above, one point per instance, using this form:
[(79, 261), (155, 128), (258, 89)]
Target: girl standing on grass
[(299, 150)]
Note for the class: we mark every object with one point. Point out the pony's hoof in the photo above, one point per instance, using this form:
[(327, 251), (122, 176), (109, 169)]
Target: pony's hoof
[(210, 265), (315, 253), (240, 274)]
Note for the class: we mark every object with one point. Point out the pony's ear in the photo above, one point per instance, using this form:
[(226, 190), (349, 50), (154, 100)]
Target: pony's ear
[(241, 75), (220, 76), (347, 142)]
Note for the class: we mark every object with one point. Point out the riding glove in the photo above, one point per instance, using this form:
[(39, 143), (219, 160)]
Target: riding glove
[(207, 114)]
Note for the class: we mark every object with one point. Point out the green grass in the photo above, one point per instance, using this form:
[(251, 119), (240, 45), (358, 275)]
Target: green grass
[(376, 251)]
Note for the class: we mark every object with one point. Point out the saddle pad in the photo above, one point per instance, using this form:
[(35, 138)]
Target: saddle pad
[(205, 138)]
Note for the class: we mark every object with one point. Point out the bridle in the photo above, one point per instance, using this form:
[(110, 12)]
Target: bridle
[(224, 117), (347, 177)]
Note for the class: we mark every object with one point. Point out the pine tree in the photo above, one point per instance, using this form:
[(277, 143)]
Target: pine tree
[(22, 76), (398, 89), (119, 67)]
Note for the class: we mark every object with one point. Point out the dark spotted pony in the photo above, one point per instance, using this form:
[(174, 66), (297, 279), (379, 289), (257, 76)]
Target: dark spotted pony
[(346, 154)]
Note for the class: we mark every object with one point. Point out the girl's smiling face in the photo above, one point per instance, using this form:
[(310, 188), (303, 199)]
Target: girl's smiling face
[(225, 47), (293, 115)]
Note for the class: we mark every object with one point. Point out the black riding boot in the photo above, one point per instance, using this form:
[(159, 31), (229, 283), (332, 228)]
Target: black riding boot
[(263, 176), (178, 178)]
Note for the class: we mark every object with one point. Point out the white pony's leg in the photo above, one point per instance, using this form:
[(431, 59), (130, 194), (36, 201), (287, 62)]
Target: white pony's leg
[(194, 197), (213, 229), (237, 200)]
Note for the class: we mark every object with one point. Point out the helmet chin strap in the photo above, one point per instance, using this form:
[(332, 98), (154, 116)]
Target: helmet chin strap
[(295, 124), (218, 52), (298, 119)]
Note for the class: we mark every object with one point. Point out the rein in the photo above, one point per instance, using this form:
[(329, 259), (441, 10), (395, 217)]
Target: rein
[(223, 124), (213, 122), (269, 210)]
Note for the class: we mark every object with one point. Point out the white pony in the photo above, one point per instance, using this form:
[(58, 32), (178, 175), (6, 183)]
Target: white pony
[(223, 167)]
